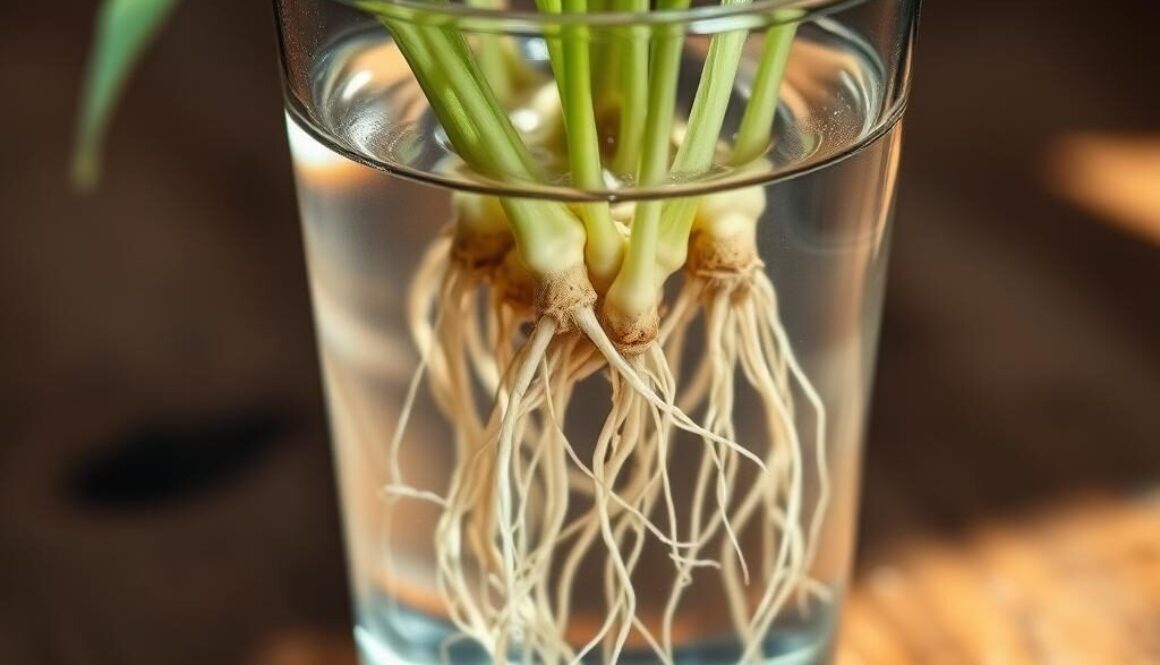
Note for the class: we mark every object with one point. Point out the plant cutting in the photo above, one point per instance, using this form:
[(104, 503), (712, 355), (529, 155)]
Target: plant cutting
[(642, 298)]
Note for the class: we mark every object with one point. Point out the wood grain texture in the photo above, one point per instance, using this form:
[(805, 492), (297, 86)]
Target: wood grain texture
[(1075, 584)]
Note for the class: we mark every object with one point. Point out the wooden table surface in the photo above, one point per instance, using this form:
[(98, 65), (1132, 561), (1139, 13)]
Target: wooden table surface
[(1011, 508)]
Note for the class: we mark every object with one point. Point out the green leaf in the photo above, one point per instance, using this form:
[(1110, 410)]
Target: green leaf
[(124, 28)]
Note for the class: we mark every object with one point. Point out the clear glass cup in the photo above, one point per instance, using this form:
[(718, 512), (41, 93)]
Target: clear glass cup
[(727, 560)]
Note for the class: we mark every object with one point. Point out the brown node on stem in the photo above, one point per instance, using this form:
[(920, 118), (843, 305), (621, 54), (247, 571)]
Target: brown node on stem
[(558, 295), (480, 251), (631, 333), (722, 258)]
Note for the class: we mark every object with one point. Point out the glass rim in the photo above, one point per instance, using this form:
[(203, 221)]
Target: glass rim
[(701, 19), (568, 194)]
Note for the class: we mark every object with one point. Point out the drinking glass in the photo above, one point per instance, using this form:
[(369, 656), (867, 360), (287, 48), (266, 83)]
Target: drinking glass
[(379, 181)]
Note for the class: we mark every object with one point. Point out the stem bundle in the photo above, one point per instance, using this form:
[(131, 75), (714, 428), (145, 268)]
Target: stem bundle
[(570, 293)]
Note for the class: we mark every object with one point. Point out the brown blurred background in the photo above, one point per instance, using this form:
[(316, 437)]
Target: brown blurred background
[(165, 485)]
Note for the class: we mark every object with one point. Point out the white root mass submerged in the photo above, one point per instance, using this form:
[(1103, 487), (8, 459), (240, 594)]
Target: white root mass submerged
[(524, 511)]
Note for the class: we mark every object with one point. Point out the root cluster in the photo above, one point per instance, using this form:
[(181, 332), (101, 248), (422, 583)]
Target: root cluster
[(528, 507)]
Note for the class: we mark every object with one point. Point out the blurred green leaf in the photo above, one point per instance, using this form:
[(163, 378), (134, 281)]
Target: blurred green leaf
[(123, 30)]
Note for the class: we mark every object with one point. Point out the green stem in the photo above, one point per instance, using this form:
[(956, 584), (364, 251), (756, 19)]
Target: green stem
[(493, 59), (664, 70), (461, 74), (702, 135), (553, 37), (452, 116), (579, 118), (714, 91), (547, 234), (605, 58), (631, 66), (634, 292), (753, 138), (571, 63)]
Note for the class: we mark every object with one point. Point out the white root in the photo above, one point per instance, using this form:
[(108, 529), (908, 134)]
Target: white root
[(510, 542), (746, 334), (525, 370), (767, 305), (587, 322), (711, 457)]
